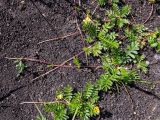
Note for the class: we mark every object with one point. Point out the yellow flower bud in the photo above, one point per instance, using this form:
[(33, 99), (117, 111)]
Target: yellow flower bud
[(59, 97), (87, 19), (96, 110)]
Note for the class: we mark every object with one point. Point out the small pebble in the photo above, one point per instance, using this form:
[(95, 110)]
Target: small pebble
[(157, 56), (134, 113), (22, 2), (147, 62), (44, 15)]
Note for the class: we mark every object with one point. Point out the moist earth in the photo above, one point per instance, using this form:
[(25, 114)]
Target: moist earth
[(24, 25)]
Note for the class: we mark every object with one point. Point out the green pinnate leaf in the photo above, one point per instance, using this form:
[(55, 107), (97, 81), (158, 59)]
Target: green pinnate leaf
[(125, 11), (68, 93), (39, 117), (89, 39), (102, 2), (88, 90), (122, 22), (96, 49), (132, 50)]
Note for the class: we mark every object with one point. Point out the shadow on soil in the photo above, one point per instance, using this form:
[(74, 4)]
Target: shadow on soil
[(48, 4), (10, 92), (145, 91)]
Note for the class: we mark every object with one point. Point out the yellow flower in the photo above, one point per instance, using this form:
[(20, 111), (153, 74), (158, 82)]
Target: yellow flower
[(59, 97), (87, 19), (96, 110)]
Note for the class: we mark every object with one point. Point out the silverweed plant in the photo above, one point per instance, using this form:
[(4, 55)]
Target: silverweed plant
[(118, 44)]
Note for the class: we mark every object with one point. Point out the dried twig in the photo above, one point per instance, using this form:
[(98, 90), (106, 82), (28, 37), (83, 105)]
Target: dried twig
[(36, 108), (51, 64), (79, 2), (57, 38), (133, 18), (80, 31), (82, 38), (35, 102), (95, 9), (150, 14), (70, 66), (41, 14), (42, 75), (70, 34), (28, 59), (131, 99), (42, 102), (127, 92)]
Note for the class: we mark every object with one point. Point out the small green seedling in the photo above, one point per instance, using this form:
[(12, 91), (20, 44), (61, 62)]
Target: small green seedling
[(77, 62), (20, 66)]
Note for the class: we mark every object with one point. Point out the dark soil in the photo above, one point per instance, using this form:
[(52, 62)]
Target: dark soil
[(22, 26)]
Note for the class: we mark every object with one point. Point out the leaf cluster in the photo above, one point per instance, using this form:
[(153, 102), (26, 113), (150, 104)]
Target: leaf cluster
[(153, 39), (77, 104)]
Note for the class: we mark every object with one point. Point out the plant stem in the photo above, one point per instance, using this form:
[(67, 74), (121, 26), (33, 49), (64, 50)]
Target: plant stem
[(150, 14), (75, 114)]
